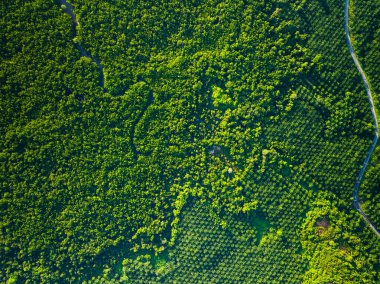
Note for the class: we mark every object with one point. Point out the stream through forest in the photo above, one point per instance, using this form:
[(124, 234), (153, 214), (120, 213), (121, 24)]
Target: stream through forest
[(68, 9)]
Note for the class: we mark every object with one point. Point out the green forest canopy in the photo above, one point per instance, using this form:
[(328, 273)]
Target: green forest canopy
[(222, 146)]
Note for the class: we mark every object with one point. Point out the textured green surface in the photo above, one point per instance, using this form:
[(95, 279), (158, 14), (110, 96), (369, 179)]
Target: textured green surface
[(365, 27), (223, 147)]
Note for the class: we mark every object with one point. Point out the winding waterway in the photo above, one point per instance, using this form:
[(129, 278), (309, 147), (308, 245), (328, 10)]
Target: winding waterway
[(373, 110), (70, 11)]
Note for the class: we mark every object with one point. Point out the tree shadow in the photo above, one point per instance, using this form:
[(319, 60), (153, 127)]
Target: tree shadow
[(325, 6)]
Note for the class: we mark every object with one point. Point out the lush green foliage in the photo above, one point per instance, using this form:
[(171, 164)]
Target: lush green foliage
[(365, 28), (223, 147)]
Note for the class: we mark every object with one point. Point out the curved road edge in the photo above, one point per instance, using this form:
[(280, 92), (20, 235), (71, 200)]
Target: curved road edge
[(373, 110)]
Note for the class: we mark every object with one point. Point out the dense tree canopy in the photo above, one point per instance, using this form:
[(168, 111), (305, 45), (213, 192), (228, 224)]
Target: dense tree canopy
[(176, 141)]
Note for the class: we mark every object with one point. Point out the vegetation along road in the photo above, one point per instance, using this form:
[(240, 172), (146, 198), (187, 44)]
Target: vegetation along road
[(369, 154), (68, 9)]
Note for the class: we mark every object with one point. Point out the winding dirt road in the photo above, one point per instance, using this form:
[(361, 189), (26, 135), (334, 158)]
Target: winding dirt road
[(373, 110)]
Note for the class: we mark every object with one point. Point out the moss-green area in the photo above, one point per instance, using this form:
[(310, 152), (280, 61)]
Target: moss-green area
[(261, 225), (222, 148)]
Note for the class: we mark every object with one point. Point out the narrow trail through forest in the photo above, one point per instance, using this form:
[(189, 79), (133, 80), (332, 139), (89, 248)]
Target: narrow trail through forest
[(373, 110), (70, 11)]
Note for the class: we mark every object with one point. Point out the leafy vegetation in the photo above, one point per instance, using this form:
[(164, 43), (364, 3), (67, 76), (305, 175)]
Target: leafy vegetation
[(221, 147), (366, 32)]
